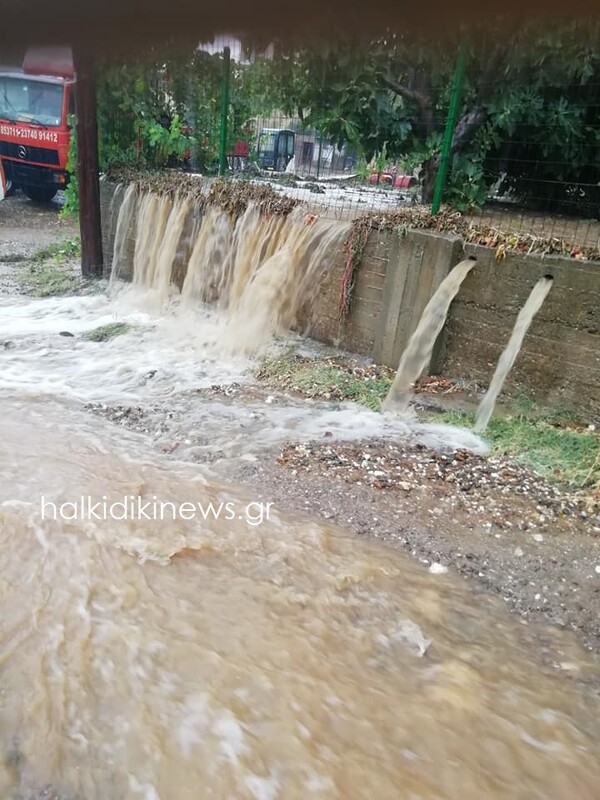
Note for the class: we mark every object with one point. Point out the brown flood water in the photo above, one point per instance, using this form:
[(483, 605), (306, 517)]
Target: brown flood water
[(186, 660)]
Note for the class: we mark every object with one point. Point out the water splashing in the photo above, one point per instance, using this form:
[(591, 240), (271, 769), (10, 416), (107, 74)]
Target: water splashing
[(284, 280), (511, 351), (263, 271), (153, 215), (286, 660), (420, 347), (122, 232), (147, 659), (206, 276)]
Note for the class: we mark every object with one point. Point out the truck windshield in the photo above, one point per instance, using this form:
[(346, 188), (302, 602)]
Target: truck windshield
[(23, 100)]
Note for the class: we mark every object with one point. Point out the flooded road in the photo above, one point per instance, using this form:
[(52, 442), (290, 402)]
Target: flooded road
[(195, 656), (162, 364)]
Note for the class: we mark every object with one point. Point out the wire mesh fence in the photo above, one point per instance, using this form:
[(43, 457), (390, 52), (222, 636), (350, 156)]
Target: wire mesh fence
[(354, 130)]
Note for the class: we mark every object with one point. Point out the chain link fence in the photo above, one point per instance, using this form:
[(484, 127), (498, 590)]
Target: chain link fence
[(352, 131)]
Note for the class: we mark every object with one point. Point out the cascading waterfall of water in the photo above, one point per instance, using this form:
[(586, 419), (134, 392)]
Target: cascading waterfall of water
[(166, 247), (262, 270), (511, 351), (152, 221), (256, 239), (124, 221), (206, 275), (146, 653), (286, 281), (145, 235), (115, 203), (420, 346)]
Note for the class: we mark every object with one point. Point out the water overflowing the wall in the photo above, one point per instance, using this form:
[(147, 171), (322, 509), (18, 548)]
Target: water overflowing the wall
[(510, 353), (124, 219), (262, 270)]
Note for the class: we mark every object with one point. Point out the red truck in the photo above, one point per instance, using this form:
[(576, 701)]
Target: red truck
[(35, 103)]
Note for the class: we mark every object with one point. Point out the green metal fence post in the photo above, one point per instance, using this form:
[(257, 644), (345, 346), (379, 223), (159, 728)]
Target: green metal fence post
[(224, 111), (457, 84)]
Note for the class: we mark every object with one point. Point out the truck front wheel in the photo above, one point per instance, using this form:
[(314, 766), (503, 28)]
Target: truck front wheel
[(40, 194)]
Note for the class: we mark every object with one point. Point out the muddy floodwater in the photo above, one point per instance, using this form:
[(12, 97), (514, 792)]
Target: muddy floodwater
[(226, 659), (192, 642)]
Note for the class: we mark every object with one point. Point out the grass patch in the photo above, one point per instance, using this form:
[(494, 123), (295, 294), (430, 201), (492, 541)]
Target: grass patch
[(14, 258), (566, 455), (323, 380), (48, 278), (48, 272), (553, 442), (59, 252), (105, 332)]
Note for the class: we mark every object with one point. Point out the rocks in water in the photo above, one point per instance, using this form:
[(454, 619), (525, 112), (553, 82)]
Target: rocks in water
[(438, 569)]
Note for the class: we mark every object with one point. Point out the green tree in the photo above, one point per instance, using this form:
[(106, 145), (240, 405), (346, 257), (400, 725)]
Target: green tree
[(142, 111), (529, 106)]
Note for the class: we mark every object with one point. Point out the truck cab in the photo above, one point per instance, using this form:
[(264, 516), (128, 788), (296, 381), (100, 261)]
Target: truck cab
[(35, 103), (275, 148)]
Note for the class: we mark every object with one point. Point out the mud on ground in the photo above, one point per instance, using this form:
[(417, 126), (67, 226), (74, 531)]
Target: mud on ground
[(26, 226)]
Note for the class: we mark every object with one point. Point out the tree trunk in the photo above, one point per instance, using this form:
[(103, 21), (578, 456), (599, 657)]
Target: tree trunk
[(430, 168)]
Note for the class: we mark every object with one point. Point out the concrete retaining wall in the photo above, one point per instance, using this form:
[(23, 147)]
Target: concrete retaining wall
[(560, 360), (110, 202), (358, 331), (559, 363)]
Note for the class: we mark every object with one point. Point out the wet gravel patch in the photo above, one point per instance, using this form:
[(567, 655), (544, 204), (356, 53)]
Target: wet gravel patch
[(546, 571), (461, 480), (25, 227)]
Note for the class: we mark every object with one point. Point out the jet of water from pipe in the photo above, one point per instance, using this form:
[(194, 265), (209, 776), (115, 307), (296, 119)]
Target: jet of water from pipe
[(417, 354), (507, 359)]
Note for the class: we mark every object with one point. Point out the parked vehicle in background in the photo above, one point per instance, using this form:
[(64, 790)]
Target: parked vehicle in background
[(275, 148), (35, 103)]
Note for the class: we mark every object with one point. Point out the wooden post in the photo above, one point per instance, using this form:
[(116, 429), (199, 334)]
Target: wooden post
[(92, 261)]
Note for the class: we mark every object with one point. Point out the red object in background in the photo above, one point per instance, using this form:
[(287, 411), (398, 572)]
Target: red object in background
[(404, 181), (2, 183), (35, 134), (241, 149), (381, 177), (57, 61), (397, 181)]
